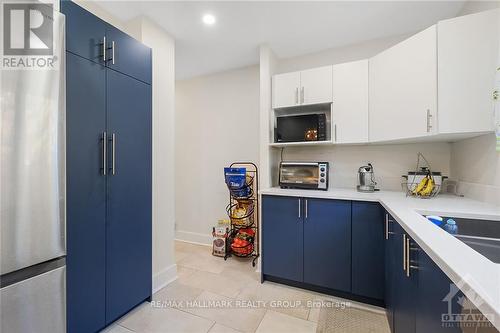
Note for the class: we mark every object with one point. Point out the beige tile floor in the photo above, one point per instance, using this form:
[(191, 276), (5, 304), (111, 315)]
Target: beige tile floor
[(213, 295)]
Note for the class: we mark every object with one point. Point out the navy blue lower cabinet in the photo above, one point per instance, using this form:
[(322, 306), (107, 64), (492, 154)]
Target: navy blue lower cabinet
[(435, 290), (390, 267), (368, 270), (327, 243), (406, 284), (128, 225), (282, 237), (86, 194)]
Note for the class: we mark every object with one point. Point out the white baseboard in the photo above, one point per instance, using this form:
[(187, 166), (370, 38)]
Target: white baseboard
[(164, 277), (194, 237)]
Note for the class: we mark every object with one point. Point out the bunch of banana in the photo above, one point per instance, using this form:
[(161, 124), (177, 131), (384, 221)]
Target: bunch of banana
[(425, 187)]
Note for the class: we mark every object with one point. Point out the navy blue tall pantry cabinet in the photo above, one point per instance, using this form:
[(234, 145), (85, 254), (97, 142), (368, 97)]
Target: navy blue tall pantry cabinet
[(108, 171)]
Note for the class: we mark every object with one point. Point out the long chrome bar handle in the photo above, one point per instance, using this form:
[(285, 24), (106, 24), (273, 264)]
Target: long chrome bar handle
[(113, 154), (429, 116), (113, 52), (386, 226), (408, 256), (404, 252), (104, 152), (387, 232), (104, 46), (306, 203)]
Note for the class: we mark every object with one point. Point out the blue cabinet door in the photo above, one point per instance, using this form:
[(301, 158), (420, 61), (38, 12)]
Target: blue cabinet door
[(368, 250), (327, 243), (282, 237), (128, 55), (85, 32), (86, 201), (435, 290), (405, 286), (128, 229), (390, 267)]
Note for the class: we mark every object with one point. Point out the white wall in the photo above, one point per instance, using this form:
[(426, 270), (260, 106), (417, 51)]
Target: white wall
[(390, 162), (162, 45), (267, 69), (476, 164), (217, 122), (163, 54), (473, 6), (94, 8)]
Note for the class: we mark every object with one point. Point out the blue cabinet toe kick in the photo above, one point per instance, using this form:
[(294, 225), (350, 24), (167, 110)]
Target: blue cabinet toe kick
[(332, 292)]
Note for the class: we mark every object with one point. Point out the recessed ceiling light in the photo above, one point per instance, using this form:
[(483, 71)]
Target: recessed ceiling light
[(208, 19)]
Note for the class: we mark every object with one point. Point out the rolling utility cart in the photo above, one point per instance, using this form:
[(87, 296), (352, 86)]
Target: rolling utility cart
[(242, 180)]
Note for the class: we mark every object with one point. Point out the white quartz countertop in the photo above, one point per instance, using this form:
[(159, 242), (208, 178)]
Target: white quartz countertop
[(474, 274)]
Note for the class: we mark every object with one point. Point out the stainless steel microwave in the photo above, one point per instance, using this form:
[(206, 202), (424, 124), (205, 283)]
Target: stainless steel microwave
[(304, 175)]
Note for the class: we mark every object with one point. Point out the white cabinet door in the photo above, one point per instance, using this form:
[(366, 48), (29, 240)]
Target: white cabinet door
[(286, 90), (467, 62), (403, 89), (316, 85), (350, 102)]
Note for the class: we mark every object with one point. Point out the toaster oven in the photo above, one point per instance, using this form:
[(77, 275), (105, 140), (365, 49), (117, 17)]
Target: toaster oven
[(304, 175)]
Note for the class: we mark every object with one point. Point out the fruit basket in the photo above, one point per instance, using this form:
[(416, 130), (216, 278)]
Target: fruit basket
[(422, 183), (242, 242), (425, 189), (241, 213)]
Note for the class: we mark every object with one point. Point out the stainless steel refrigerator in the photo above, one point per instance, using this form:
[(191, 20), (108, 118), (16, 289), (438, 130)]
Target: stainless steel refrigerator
[(32, 196)]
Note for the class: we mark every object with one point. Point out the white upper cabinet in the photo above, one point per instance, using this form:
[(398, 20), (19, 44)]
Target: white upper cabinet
[(467, 62), (403, 89), (350, 102), (316, 85), (286, 90), (313, 86)]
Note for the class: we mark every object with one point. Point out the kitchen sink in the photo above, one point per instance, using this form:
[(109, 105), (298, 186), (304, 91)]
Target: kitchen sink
[(488, 247), (482, 236)]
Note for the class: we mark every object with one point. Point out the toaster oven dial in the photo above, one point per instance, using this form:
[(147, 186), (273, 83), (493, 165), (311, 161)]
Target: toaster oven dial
[(322, 184)]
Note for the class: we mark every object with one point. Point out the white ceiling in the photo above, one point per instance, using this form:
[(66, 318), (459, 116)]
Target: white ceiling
[(291, 28)]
